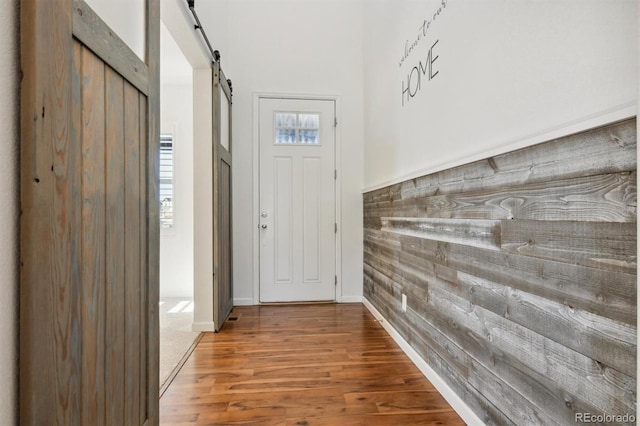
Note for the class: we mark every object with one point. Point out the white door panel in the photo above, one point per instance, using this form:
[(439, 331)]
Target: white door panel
[(311, 219), (283, 215), (297, 200)]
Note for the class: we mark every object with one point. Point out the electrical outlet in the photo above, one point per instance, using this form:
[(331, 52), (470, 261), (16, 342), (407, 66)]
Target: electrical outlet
[(404, 302)]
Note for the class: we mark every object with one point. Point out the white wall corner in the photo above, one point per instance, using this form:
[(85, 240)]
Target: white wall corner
[(351, 299), (9, 214), (243, 302), (203, 187), (463, 410), (203, 326)]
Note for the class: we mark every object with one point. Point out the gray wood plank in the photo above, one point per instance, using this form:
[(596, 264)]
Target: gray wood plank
[(531, 399), (521, 409), (606, 341), (412, 207), (472, 351), (475, 233), (603, 198), (566, 367), (603, 150), (550, 395), (603, 245), (606, 293), (508, 391)]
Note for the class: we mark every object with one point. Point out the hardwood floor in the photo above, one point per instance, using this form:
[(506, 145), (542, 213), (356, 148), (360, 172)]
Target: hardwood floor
[(327, 364)]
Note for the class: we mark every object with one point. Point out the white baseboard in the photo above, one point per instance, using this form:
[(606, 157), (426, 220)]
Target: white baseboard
[(463, 410), (203, 326), (351, 299), (250, 302)]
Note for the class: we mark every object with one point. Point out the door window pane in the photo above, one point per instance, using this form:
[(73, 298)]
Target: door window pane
[(294, 128), (284, 119), (309, 136), (285, 136), (224, 122), (309, 121)]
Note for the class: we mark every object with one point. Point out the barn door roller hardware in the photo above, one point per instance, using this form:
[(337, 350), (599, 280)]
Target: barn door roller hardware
[(215, 55)]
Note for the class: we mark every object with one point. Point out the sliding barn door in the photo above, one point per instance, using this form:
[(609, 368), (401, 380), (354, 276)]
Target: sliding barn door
[(222, 280), (89, 227)]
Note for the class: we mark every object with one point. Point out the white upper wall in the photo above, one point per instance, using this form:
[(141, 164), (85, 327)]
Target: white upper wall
[(9, 194), (505, 74), (309, 47)]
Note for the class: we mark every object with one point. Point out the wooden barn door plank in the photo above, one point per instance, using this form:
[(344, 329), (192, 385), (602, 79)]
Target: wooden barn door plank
[(50, 221), (115, 276), (132, 252), (144, 249), (92, 131)]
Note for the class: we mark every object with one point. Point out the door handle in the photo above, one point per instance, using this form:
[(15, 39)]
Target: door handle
[(264, 226)]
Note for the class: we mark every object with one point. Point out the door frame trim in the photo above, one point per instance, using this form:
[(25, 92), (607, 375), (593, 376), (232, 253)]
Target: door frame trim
[(257, 96)]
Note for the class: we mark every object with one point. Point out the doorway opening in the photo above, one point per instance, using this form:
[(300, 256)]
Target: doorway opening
[(176, 206)]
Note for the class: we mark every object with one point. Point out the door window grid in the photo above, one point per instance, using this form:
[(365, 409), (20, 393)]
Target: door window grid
[(166, 182), (297, 128)]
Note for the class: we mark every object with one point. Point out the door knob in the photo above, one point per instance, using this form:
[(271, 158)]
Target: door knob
[(264, 226)]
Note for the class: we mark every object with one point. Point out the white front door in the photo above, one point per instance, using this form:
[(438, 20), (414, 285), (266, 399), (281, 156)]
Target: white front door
[(297, 200)]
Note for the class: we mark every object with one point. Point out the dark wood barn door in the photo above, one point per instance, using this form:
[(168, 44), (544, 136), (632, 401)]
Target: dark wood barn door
[(89, 227), (223, 281)]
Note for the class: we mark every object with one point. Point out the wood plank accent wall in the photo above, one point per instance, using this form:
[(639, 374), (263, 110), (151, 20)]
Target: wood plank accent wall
[(520, 272)]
